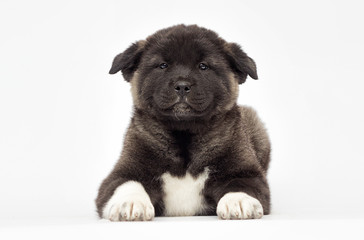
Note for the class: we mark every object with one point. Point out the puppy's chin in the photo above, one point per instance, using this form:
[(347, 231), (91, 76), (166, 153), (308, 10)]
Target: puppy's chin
[(180, 111)]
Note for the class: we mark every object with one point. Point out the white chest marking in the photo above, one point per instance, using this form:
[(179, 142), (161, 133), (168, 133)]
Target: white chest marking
[(182, 195)]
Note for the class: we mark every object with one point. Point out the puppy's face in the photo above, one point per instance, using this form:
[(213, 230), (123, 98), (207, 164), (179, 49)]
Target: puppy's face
[(184, 73)]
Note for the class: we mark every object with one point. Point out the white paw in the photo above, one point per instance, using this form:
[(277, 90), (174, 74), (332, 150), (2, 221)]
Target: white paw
[(239, 205), (130, 202)]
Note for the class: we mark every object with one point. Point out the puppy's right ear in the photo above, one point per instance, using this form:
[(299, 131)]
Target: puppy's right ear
[(240, 62), (127, 62)]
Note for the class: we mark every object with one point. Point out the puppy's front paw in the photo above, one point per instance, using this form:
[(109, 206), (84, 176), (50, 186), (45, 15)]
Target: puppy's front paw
[(131, 210), (130, 202), (239, 205)]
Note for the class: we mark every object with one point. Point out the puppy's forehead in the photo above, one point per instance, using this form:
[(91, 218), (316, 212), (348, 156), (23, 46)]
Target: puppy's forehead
[(183, 48)]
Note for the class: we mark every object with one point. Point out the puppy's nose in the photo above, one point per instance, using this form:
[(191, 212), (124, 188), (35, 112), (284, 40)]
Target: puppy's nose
[(182, 87)]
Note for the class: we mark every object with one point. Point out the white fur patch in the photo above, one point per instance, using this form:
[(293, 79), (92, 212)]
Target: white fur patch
[(182, 195), (129, 202), (239, 205)]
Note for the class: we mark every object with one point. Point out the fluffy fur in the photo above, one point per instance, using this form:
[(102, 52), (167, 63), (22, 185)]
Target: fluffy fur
[(186, 124)]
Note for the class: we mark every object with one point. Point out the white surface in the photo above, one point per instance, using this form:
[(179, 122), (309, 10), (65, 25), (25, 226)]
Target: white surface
[(269, 227), (63, 117)]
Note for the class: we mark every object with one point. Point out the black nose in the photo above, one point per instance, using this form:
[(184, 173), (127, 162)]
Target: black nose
[(182, 87)]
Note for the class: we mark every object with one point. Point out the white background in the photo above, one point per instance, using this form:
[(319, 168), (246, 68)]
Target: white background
[(63, 118)]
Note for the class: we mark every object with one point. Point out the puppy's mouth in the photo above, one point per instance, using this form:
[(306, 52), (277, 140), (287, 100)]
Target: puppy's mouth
[(181, 109)]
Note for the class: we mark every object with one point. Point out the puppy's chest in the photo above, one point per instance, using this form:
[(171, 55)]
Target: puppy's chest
[(182, 196)]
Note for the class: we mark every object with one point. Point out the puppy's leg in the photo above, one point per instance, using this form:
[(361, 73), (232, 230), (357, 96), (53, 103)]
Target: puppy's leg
[(129, 202), (239, 205)]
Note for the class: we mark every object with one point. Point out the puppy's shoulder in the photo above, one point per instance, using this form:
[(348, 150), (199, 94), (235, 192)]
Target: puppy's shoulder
[(248, 113), (251, 119)]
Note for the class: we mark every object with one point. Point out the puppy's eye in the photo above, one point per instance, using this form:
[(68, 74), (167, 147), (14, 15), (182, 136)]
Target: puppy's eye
[(203, 66), (163, 65)]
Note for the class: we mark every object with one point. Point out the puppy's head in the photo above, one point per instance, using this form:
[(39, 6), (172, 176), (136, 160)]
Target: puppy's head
[(184, 73)]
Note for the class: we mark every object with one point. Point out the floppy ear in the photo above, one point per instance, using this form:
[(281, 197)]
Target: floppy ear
[(127, 62), (240, 63)]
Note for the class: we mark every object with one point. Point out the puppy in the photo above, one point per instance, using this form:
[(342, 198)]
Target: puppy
[(189, 149)]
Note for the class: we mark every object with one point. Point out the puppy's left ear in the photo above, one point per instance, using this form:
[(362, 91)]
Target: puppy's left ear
[(240, 62), (127, 62)]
